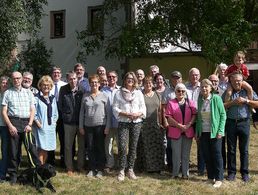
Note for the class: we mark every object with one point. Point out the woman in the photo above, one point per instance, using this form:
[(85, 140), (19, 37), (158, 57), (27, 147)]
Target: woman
[(45, 118), (129, 109), (92, 123), (210, 130), (181, 114), (151, 136), (160, 83), (3, 132)]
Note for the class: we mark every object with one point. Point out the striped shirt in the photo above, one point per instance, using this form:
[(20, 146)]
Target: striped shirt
[(18, 102)]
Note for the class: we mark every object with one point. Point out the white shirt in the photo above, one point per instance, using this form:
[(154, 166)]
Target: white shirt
[(136, 105)]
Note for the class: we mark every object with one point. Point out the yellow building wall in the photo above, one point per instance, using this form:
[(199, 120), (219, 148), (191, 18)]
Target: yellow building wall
[(168, 63)]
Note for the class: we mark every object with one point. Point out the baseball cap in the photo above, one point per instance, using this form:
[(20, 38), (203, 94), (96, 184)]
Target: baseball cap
[(176, 74)]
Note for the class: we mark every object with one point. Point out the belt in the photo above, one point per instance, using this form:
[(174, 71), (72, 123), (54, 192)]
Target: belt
[(239, 119), (18, 118)]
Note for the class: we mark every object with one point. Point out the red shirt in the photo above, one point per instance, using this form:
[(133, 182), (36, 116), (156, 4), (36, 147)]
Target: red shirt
[(234, 69)]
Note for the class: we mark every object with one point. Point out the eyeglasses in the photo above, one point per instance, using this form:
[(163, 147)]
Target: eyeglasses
[(215, 81), (111, 76), (129, 78), (180, 91)]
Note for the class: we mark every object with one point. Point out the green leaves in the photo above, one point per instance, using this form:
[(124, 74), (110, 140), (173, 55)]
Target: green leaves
[(17, 16), (219, 27)]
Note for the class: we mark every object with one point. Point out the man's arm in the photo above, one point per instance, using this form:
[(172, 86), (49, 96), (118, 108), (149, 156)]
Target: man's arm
[(12, 129)]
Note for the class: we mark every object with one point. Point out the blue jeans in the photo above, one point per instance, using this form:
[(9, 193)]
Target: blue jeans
[(238, 130), (212, 154), (4, 149)]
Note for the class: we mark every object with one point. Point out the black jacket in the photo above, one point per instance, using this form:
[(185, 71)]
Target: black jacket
[(69, 105)]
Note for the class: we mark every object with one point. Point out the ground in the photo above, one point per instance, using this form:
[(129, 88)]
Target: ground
[(149, 183)]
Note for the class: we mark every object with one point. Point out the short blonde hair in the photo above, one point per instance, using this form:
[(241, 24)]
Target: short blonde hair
[(94, 76), (45, 79)]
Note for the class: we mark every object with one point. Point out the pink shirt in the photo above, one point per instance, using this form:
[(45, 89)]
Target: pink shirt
[(173, 110)]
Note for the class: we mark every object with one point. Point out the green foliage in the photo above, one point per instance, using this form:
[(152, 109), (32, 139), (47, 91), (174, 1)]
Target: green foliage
[(36, 59), (218, 27), (17, 16)]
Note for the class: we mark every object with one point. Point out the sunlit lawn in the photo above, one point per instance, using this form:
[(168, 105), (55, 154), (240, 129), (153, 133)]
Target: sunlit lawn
[(149, 183)]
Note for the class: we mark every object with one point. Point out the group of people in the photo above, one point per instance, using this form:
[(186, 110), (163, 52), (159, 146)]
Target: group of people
[(152, 119)]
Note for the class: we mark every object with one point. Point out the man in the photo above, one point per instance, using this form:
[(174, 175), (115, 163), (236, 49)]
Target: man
[(58, 83), (83, 83), (112, 123), (140, 76), (101, 71), (238, 127), (193, 90), (27, 79), (18, 113), (153, 70), (215, 84), (69, 104), (176, 77)]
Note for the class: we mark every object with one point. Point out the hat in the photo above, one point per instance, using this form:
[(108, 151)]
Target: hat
[(176, 74)]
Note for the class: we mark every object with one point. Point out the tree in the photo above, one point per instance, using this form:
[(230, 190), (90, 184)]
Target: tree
[(36, 59), (17, 16), (218, 27)]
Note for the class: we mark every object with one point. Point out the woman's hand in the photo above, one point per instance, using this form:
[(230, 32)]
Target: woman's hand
[(219, 136), (82, 131)]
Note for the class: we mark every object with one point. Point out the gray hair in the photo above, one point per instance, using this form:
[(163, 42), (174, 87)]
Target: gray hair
[(180, 86), (25, 74)]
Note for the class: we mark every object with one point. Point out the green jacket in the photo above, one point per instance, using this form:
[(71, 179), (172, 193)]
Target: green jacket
[(218, 116)]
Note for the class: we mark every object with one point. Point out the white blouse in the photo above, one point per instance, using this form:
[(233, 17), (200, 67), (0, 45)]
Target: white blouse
[(134, 106)]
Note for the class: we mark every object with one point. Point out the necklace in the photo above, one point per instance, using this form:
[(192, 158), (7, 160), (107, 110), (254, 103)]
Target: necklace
[(181, 102)]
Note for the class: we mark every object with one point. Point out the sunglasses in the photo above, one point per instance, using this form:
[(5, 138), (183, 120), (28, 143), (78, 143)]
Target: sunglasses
[(180, 91)]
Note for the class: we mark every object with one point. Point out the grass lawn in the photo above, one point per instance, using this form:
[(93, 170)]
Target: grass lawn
[(150, 183)]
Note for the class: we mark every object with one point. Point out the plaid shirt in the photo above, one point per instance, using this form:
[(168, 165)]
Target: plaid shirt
[(18, 102)]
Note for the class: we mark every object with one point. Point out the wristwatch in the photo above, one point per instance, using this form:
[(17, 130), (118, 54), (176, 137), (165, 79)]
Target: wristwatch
[(247, 101)]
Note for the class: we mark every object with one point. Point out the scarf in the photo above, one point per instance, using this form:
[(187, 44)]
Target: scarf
[(128, 95), (49, 106)]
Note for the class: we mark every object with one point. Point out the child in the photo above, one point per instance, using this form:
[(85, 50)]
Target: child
[(239, 67)]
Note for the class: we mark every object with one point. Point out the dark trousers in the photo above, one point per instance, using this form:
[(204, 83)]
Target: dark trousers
[(200, 159), (169, 153), (15, 145), (212, 154), (60, 132), (95, 140), (4, 133), (224, 152), (238, 130)]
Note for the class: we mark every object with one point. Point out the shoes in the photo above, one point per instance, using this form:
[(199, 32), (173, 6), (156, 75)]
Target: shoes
[(175, 177), (245, 177), (185, 177), (13, 180), (131, 174), (201, 173), (99, 174), (217, 184), (70, 173), (121, 175), (90, 174), (108, 170), (231, 177)]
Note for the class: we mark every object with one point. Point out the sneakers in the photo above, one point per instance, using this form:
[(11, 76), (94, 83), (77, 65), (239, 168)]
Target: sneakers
[(121, 175), (90, 174), (131, 174), (99, 174), (217, 184), (245, 177), (231, 177)]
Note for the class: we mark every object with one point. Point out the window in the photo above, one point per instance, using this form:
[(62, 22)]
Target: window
[(95, 19), (57, 29)]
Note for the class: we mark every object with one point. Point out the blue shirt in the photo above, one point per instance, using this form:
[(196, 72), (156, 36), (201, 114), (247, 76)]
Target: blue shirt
[(238, 111), (111, 93), (84, 85)]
